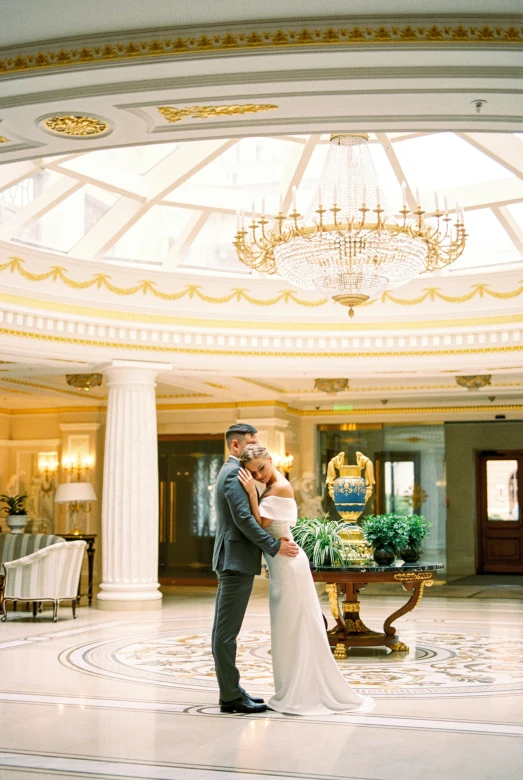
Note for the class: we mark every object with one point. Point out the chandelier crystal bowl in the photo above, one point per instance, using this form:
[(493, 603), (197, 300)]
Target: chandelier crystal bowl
[(350, 251)]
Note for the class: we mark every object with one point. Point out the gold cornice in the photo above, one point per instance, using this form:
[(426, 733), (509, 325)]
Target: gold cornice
[(256, 353), (265, 37), (386, 412)]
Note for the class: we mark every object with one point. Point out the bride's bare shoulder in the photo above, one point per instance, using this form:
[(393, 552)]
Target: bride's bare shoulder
[(282, 488)]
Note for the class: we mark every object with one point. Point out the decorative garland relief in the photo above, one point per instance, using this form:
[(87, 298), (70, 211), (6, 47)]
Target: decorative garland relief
[(148, 287)]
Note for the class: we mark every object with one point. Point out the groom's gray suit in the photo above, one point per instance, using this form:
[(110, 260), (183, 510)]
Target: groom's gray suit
[(237, 558)]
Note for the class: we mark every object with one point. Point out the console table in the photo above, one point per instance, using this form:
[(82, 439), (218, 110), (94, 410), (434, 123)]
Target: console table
[(90, 539), (347, 581)]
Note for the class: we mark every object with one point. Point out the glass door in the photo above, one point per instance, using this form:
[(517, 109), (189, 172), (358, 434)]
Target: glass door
[(397, 483), (500, 523)]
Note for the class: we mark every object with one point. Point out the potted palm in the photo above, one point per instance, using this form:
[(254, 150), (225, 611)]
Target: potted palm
[(386, 534), (15, 514), (320, 540), (417, 529)]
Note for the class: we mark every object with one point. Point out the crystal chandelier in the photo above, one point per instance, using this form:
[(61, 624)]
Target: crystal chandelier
[(351, 252)]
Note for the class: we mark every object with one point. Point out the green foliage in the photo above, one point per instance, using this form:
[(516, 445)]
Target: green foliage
[(417, 528), (386, 532), (320, 540), (14, 505)]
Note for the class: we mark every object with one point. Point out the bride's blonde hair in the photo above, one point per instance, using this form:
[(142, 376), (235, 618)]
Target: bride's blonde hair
[(254, 452)]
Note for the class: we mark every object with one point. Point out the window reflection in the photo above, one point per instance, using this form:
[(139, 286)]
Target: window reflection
[(502, 490)]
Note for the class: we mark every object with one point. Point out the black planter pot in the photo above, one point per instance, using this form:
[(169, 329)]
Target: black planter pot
[(384, 557), (410, 554)]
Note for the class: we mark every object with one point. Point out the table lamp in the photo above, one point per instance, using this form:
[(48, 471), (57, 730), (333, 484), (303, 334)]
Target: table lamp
[(78, 495)]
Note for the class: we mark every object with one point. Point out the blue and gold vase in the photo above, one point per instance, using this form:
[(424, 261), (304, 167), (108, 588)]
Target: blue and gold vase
[(349, 493)]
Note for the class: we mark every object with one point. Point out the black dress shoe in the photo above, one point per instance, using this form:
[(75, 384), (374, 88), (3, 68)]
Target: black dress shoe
[(255, 699), (242, 704)]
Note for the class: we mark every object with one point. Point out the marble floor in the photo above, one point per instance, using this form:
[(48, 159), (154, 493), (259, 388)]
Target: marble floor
[(129, 695)]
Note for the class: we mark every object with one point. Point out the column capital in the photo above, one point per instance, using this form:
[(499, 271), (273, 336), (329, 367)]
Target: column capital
[(130, 372)]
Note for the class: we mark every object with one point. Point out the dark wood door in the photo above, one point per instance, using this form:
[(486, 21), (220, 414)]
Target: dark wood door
[(500, 523)]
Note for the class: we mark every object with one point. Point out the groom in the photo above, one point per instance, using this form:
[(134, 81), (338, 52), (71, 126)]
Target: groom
[(236, 559)]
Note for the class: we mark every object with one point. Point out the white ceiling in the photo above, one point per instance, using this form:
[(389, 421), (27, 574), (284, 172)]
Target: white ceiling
[(39, 20)]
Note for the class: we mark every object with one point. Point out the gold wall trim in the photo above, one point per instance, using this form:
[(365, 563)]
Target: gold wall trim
[(148, 287), (378, 411), (255, 353), (265, 37)]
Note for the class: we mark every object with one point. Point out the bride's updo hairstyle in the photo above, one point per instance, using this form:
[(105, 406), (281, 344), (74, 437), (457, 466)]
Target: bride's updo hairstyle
[(253, 452)]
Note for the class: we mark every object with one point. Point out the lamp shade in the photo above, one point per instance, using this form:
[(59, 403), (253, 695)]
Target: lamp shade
[(74, 491)]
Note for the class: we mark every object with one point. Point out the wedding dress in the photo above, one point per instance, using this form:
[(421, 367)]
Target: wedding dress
[(306, 676)]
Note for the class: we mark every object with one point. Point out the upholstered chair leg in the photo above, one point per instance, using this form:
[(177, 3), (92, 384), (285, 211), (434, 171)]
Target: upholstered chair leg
[(35, 608), (73, 604), (40, 606), (55, 611)]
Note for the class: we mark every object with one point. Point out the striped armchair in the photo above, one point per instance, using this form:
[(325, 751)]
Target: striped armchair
[(49, 574), (13, 546)]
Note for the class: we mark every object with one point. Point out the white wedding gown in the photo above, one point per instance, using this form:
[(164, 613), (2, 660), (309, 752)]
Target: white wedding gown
[(306, 676)]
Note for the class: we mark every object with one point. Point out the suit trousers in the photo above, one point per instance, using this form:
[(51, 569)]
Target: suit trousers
[(232, 597)]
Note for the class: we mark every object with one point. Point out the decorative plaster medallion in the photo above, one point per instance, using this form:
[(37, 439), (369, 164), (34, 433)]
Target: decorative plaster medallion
[(173, 114), (439, 664), (76, 125)]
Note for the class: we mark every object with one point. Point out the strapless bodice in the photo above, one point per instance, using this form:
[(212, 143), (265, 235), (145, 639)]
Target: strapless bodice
[(282, 511)]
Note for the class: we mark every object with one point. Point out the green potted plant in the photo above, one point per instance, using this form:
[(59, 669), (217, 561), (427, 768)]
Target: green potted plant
[(386, 534), (15, 514), (320, 540), (417, 529)]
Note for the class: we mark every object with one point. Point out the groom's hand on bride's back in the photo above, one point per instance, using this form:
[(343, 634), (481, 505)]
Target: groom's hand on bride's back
[(288, 547)]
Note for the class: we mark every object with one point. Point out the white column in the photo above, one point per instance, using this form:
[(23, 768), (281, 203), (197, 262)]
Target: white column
[(130, 489)]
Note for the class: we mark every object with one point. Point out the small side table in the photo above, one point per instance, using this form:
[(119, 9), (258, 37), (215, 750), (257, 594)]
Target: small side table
[(90, 539), (347, 581)]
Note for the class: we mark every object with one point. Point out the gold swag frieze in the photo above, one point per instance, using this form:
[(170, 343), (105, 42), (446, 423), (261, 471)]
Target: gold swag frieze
[(266, 36), (148, 287)]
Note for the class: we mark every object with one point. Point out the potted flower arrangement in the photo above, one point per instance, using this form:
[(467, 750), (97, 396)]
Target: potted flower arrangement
[(387, 534), (16, 517), (417, 529), (320, 540)]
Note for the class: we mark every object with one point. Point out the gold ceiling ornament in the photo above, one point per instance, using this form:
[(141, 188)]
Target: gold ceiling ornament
[(173, 114), (4, 140), (263, 36), (84, 382), (331, 385), (475, 381), (350, 250), (76, 125), (148, 286)]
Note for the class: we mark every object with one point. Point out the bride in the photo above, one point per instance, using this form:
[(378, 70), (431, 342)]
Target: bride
[(306, 676)]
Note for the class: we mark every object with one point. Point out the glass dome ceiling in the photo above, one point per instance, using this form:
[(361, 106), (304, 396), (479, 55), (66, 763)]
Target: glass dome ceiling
[(172, 206)]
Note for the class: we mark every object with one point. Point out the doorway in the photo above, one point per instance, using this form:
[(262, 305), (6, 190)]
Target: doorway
[(397, 483), (188, 468), (500, 524)]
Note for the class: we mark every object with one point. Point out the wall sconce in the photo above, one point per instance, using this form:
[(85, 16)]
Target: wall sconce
[(78, 495), (47, 465), (77, 466), (283, 463)]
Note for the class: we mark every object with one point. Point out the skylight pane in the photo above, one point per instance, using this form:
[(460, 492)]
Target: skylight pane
[(443, 160), (150, 239), (25, 192), (488, 243), (65, 224), (213, 247)]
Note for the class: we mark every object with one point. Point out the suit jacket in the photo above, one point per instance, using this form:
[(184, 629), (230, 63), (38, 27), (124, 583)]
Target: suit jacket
[(239, 538)]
